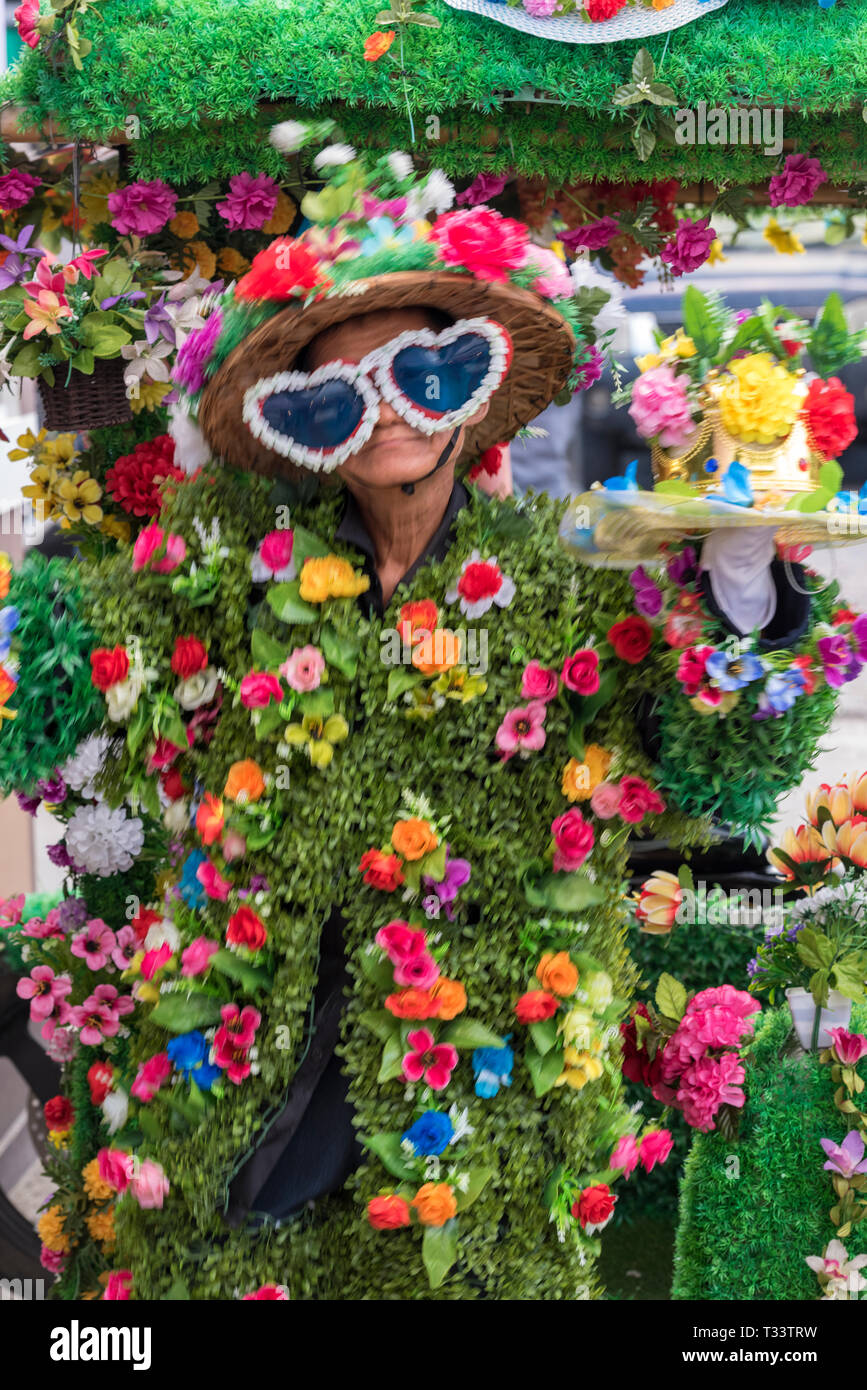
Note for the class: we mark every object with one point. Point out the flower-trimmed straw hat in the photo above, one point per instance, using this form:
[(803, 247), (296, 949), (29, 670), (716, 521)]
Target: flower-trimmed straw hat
[(741, 436), (369, 246)]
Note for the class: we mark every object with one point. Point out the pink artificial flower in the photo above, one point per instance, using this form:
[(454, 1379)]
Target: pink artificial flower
[(605, 800), (573, 836), (258, 689), (213, 882), (483, 187), (26, 16), (706, 1085), (149, 1184), (638, 800), (240, 1024), (272, 1293), (303, 668), (232, 1057), (150, 1077), (523, 730), (95, 944), (10, 911), (554, 280), (797, 183), (718, 1017), (116, 1168), (625, 1155), (155, 961), (118, 1286), (149, 541), (849, 1048), (45, 277), (234, 846), (683, 625), (125, 948), (419, 971), (250, 202), (481, 241), (656, 1145), (539, 682), (47, 993), (660, 408), (196, 959), (401, 942), (689, 247), (164, 754), (99, 1016), (52, 1260), (84, 263), (592, 236), (17, 187), (274, 554), (691, 668), (49, 930), (142, 208), (581, 672), (433, 1062)]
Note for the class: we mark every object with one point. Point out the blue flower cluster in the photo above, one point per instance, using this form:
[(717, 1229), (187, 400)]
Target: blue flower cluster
[(188, 1053), (492, 1067), (431, 1133)]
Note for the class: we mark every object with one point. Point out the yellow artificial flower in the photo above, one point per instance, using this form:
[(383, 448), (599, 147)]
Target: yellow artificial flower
[(580, 779), (580, 1067), (117, 527), (40, 490), (782, 240), (197, 255), (149, 396), (101, 1226), (678, 345), (725, 706), (458, 684), (648, 361), (759, 401), (184, 225), (147, 992), (715, 255), (28, 444), (94, 198), (328, 576), (51, 1230), (283, 215), (58, 1137), (578, 1027), (94, 1187), (5, 574), (59, 452), (231, 262), (320, 736), (79, 496)]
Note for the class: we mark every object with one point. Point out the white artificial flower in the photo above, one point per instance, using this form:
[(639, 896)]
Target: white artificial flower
[(146, 359), (333, 155), (400, 165), (612, 315), (115, 1108), (121, 699), (176, 816), (163, 933), (103, 841), (186, 315), (191, 448), (843, 1275), (197, 690), (436, 194), (288, 136), (195, 284), (79, 772)]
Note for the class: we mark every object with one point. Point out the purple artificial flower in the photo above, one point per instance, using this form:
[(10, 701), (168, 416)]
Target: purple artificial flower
[(112, 299), (17, 188), (689, 247), (859, 632), (52, 789), (73, 913), (755, 968), (259, 884), (797, 183), (683, 568), (59, 855), (840, 663), (590, 369), (30, 804), (648, 595), (847, 1158), (14, 268), (483, 187), (250, 202), (195, 353), (457, 873), (592, 235), (142, 208), (382, 207), (793, 932)]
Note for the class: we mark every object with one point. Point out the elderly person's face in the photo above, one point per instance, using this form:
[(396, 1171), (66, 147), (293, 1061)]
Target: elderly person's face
[(395, 453)]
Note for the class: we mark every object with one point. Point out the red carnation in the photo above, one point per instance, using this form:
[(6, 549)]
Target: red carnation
[(108, 667), (604, 9), (830, 414), (490, 461), (535, 1006), (481, 241), (135, 480), (189, 656), (59, 1114), (246, 928), (637, 1064), (284, 270), (631, 639), (480, 580)]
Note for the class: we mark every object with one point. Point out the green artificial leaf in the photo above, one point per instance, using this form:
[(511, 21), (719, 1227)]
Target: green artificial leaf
[(468, 1032), (389, 1152), (288, 605), (544, 1070), (304, 545), (391, 1065), (627, 95), (552, 1186), (660, 94), (178, 1292), (270, 719), (814, 949), (267, 654), (830, 345), (644, 141), (340, 650), (848, 975), (585, 707), (544, 1035), (439, 1250), (379, 972), (401, 679), (258, 838), (317, 703), (670, 996), (83, 361), (478, 1180), (699, 323), (137, 727), (434, 864), (831, 476), (252, 977), (381, 1023), (819, 987), (109, 341), (173, 727), (26, 361), (564, 892), (685, 878), (576, 740), (643, 67), (180, 1013)]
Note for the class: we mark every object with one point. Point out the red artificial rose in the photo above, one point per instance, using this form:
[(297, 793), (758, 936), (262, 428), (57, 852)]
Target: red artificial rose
[(135, 481), (99, 1078), (829, 410), (573, 836), (108, 667), (388, 1213), (381, 870), (535, 1006), (594, 1206), (636, 1062), (284, 270), (246, 928), (59, 1114), (581, 672), (631, 639), (417, 620), (638, 800), (189, 656), (172, 784)]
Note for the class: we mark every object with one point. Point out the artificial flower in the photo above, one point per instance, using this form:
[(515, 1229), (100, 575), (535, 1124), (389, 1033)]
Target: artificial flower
[(272, 558), (250, 202), (538, 682), (631, 639), (329, 576), (522, 730), (829, 410), (480, 241), (658, 901), (135, 480), (258, 689), (377, 44), (244, 782), (388, 1213), (660, 408), (414, 838), (535, 1006), (246, 928), (381, 870), (849, 1048), (783, 239), (573, 839), (142, 208), (109, 666), (430, 1134), (481, 584), (690, 246), (840, 1277), (847, 1158), (557, 974), (492, 1068), (157, 550), (797, 183), (319, 735), (656, 1145), (581, 778), (427, 1060), (579, 1068), (435, 1204)]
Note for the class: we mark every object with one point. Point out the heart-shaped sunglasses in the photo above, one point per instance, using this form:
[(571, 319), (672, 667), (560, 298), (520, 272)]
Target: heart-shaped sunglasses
[(434, 381)]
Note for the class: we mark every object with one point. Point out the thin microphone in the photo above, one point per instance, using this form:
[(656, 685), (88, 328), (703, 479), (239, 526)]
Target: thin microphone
[(409, 488)]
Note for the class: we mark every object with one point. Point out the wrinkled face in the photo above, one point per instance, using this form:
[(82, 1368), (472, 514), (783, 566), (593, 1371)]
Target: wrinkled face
[(395, 453)]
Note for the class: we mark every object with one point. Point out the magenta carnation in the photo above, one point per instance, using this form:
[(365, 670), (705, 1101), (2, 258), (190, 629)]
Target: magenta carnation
[(195, 353), (589, 369), (689, 247), (708, 1084), (17, 188), (250, 202), (483, 187), (797, 183), (142, 208), (592, 235), (660, 408)]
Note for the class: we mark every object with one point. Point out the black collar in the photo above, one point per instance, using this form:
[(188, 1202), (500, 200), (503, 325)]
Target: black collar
[(353, 531)]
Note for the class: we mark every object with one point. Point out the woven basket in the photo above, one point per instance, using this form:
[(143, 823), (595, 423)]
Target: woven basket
[(88, 401)]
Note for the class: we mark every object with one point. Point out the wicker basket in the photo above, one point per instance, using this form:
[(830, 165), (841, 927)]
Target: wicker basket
[(88, 401)]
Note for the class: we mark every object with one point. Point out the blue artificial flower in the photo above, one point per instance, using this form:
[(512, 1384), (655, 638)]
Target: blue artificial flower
[(188, 1054), (492, 1067), (782, 690), (10, 616), (384, 234), (626, 482), (737, 487), (191, 889), (734, 672), (431, 1133)]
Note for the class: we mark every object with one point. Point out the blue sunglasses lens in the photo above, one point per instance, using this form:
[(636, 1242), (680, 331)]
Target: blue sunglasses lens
[(441, 379), (317, 417)]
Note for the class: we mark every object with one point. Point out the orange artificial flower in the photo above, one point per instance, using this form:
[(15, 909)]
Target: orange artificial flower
[(377, 44), (5, 574), (580, 779), (282, 217), (416, 619), (435, 1204), (244, 782), (414, 1003), (210, 819), (439, 651), (413, 838), (184, 225), (231, 262), (557, 974), (451, 995)]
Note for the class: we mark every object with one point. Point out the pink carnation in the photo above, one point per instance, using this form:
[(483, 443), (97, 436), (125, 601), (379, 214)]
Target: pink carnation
[(258, 689), (706, 1085), (689, 247), (197, 956), (625, 1155), (303, 668), (481, 241), (142, 208), (17, 188), (797, 183), (148, 543), (250, 203), (149, 1184), (150, 1077), (554, 280), (52, 1260), (483, 187), (116, 1168), (591, 235), (660, 408)]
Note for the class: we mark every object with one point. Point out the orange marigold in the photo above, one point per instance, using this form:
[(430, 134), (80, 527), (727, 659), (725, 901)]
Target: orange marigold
[(95, 1188)]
